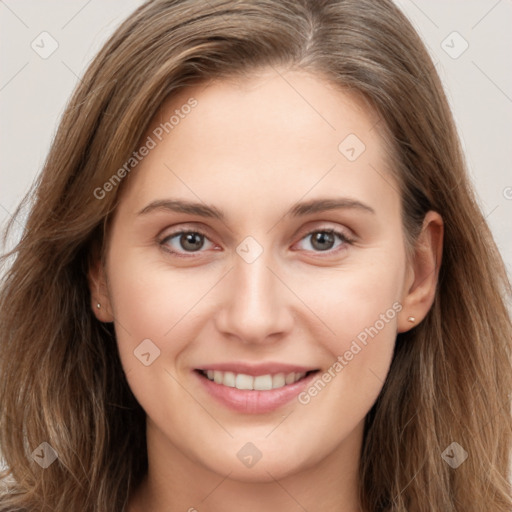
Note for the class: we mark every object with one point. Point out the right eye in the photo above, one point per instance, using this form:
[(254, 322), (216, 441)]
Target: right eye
[(184, 241)]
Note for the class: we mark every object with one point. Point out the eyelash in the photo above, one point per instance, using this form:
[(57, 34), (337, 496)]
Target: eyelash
[(342, 236)]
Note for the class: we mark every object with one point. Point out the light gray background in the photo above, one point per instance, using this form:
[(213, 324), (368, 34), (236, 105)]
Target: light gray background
[(34, 91)]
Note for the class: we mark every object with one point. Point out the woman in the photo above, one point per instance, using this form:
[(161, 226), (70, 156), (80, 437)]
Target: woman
[(255, 276)]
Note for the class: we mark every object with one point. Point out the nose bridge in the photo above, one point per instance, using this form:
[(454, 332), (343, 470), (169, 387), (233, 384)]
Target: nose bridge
[(257, 305)]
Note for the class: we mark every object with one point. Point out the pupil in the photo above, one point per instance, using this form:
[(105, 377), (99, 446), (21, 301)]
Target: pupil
[(191, 241), (323, 238)]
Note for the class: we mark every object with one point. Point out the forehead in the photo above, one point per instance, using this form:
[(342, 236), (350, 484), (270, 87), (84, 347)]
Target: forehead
[(270, 138), (270, 107)]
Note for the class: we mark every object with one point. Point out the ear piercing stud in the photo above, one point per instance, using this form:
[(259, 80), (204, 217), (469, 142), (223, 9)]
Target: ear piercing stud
[(411, 319), (98, 305)]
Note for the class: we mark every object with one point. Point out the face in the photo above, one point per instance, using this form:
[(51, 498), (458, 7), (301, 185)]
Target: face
[(256, 274)]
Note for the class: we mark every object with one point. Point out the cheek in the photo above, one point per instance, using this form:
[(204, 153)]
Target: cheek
[(154, 311), (150, 299), (360, 308), (150, 302), (361, 302)]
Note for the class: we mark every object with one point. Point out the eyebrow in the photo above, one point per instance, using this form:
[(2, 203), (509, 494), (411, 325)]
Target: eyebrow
[(298, 210)]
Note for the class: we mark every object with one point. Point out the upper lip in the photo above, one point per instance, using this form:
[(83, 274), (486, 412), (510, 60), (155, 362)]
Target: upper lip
[(255, 370)]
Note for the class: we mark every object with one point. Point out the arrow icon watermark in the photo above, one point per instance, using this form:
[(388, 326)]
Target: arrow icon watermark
[(147, 352)]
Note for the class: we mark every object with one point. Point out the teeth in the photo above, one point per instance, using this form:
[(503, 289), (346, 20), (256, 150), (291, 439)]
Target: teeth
[(229, 379), (259, 383), (290, 378), (278, 380), (243, 381), (263, 382)]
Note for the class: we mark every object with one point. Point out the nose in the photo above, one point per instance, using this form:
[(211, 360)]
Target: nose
[(257, 306)]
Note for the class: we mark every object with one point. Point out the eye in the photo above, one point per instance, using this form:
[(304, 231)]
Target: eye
[(181, 242), (324, 240)]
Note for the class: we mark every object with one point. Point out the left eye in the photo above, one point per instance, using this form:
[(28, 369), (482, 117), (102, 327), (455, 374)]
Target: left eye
[(324, 240)]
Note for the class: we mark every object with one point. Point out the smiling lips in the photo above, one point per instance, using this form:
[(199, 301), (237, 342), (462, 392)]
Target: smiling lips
[(259, 383), (254, 388)]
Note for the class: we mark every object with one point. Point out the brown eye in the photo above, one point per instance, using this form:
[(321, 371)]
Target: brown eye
[(191, 241), (322, 240), (185, 242), (325, 240)]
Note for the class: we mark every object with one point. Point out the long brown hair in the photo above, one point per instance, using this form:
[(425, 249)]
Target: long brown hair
[(61, 378)]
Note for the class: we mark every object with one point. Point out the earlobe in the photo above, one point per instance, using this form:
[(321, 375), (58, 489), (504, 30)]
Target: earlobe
[(100, 299), (420, 289)]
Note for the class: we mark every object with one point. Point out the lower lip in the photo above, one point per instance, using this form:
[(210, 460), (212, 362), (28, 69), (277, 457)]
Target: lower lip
[(251, 401)]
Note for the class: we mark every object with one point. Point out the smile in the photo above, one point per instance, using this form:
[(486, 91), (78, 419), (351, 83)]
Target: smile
[(254, 389), (248, 382)]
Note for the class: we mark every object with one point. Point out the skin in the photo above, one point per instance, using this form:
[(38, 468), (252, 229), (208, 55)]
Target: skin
[(253, 148)]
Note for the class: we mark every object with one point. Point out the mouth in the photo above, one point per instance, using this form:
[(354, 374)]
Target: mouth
[(254, 389), (246, 382)]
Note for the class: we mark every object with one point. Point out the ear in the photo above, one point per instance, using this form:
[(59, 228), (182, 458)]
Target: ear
[(422, 273), (100, 297)]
